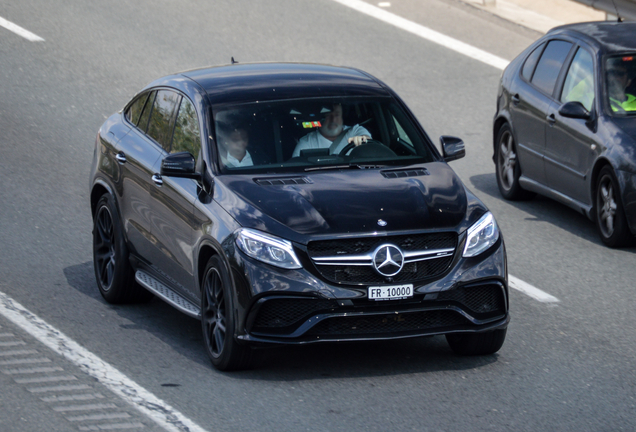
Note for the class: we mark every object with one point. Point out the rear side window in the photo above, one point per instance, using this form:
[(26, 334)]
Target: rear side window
[(162, 118), (134, 110), (531, 62), (550, 64), (186, 132), (145, 115)]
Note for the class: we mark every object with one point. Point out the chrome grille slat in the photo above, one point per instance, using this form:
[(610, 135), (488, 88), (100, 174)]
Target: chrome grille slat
[(351, 260)]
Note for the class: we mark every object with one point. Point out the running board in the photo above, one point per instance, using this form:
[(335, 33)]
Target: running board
[(168, 295)]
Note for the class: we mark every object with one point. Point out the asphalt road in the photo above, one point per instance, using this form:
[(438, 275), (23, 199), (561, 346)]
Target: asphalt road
[(567, 366)]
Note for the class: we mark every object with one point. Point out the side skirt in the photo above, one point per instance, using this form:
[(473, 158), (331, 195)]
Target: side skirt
[(533, 186)]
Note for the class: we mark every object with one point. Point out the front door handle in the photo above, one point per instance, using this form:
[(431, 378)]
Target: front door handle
[(551, 119), (156, 178), (121, 157)]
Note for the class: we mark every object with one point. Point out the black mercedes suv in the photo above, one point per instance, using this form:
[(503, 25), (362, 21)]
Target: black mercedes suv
[(293, 204)]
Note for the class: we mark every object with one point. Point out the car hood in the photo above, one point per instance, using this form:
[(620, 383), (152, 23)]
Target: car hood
[(344, 202)]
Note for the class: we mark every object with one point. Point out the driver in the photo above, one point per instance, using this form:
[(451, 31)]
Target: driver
[(332, 134), (618, 80)]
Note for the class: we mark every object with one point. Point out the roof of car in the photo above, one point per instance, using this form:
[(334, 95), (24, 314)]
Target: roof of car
[(612, 36), (239, 83)]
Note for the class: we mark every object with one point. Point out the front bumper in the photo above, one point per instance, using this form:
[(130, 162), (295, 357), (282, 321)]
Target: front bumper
[(298, 307)]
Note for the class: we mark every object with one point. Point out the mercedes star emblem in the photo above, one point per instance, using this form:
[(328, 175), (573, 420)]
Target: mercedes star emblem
[(388, 260)]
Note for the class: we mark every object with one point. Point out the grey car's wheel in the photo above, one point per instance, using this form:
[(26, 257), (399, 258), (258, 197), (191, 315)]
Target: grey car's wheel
[(217, 319), (471, 344), (610, 216), (113, 272), (507, 166)]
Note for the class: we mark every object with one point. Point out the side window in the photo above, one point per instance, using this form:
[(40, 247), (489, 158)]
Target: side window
[(550, 64), (145, 115), (579, 82), (162, 117), (134, 110), (186, 131), (531, 62)]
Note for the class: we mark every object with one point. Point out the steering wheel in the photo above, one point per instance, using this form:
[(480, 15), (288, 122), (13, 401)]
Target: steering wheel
[(373, 145)]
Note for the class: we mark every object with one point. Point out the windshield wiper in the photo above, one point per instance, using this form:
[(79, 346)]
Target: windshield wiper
[(349, 166)]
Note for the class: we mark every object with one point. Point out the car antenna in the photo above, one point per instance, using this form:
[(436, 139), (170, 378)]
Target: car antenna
[(619, 18), (234, 61)]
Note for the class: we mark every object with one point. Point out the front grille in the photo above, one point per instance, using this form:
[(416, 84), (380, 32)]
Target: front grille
[(365, 274), (281, 313), (479, 299), (387, 324)]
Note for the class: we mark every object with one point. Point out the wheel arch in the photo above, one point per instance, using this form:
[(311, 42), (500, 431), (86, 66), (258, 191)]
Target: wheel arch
[(497, 125), (598, 166), (99, 190)]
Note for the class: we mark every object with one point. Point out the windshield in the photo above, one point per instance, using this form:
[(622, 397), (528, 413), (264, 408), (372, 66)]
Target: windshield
[(621, 84), (303, 135)]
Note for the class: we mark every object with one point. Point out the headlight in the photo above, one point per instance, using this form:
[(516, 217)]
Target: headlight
[(483, 234), (266, 248)]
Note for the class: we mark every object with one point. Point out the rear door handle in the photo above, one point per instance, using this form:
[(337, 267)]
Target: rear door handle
[(515, 99), (121, 157), (156, 178)]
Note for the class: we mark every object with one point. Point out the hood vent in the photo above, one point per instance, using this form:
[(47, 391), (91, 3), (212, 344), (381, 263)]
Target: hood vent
[(415, 172), (282, 181)]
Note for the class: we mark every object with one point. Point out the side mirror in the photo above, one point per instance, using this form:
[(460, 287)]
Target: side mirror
[(452, 147), (575, 110), (179, 165)]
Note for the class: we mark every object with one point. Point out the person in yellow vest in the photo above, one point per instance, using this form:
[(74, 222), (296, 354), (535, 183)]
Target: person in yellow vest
[(618, 79)]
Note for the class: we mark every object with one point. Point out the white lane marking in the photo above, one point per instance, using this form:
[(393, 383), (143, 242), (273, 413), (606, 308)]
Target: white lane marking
[(24, 361), (426, 33), (32, 370), (20, 31), (113, 426), (17, 352), (531, 291), (59, 388), (99, 417), (75, 397), (144, 401), (10, 344), (90, 407), (45, 379)]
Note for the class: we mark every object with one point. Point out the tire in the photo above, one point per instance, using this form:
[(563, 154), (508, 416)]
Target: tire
[(610, 215), (218, 320), (114, 274), (507, 166), (474, 344)]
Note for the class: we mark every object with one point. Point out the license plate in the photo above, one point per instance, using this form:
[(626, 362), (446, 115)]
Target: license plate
[(396, 292)]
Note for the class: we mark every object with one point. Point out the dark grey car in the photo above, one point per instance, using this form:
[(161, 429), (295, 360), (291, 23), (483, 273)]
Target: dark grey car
[(565, 125)]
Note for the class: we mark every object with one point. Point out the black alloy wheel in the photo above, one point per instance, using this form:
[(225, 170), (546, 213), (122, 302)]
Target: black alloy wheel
[(610, 216), (113, 272), (473, 344), (217, 319), (508, 168)]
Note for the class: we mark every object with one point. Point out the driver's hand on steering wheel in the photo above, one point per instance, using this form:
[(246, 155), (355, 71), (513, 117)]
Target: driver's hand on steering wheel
[(360, 139)]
